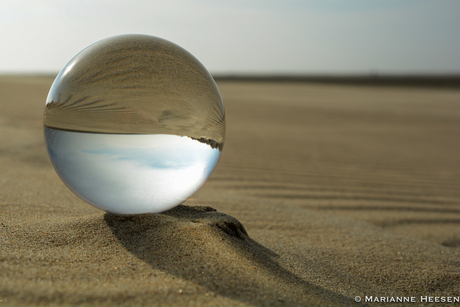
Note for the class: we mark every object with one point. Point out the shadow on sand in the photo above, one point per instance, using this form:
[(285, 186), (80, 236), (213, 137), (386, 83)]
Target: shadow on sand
[(213, 250)]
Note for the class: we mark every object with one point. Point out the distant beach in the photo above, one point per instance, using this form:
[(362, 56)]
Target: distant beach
[(375, 79)]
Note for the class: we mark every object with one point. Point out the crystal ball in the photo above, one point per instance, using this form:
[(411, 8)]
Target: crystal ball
[(134, 124)]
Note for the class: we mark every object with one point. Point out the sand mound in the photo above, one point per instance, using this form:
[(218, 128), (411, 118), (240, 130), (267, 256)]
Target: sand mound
[(203, 248)]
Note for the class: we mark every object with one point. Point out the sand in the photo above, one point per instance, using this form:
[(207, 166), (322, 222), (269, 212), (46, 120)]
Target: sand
[(323, 193)]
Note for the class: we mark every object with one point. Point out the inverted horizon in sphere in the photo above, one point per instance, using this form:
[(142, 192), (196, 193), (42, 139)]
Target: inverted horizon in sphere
[(137, 84)]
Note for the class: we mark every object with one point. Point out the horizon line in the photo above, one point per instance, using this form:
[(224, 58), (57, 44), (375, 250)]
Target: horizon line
[(443, 80)]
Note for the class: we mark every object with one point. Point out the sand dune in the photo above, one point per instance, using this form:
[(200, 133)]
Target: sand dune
[(323, 193)]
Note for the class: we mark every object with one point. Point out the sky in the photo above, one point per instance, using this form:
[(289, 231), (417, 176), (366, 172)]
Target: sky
[(244, 36)]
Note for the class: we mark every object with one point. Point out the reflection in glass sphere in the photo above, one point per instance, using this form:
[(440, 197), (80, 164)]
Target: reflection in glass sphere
[(134, 124)]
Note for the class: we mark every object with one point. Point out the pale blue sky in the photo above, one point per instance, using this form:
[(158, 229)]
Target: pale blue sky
[(251, 36)]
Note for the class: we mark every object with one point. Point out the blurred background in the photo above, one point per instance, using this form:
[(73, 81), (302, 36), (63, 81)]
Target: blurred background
[(296, 37)]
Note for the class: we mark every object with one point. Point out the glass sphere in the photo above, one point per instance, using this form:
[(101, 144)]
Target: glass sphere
[(134, 124)]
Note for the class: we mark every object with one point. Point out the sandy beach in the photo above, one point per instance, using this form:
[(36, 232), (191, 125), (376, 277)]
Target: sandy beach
[(324, 195)]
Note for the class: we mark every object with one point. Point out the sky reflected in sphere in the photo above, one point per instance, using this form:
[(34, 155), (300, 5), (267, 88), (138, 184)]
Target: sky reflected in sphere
[(129, 174)]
